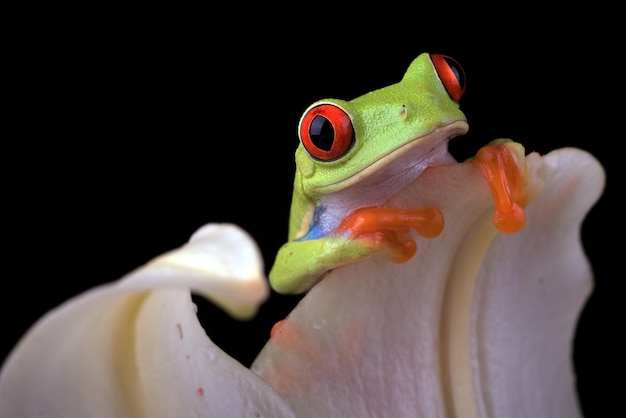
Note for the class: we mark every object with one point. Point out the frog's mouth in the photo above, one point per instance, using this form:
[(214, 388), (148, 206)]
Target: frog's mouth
[(399, 167)]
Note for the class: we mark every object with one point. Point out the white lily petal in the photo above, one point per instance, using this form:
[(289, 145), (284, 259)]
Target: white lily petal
[(526, 308), (430, 338), (135, 347), (476, 324), (227, 255)]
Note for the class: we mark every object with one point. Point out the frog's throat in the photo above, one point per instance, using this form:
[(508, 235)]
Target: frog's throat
[(429, 144)]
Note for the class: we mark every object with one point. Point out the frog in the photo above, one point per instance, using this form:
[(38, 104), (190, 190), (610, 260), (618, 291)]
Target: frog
[(352, 156)]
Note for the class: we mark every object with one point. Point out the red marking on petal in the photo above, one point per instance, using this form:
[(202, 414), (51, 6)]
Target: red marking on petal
[(276, 328), (286, 334), (200, 391)]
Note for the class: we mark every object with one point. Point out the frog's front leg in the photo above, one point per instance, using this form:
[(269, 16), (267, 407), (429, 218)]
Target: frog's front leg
[(384, 228), (503, 164), (366, 231)]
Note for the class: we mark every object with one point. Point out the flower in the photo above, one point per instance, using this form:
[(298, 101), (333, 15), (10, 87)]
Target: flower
[(477, 324)]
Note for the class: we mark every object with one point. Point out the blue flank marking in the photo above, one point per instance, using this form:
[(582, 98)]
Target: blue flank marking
[(316, 229)]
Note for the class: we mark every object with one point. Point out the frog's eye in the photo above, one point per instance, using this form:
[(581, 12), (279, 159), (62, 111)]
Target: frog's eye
[(451, 74), (326, 132)]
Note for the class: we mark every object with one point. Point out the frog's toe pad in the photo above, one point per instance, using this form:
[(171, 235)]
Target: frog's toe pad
[(511, 220)]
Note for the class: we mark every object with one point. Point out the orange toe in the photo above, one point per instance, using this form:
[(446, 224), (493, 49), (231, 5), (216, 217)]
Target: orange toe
[(387, 227), (503, 164)]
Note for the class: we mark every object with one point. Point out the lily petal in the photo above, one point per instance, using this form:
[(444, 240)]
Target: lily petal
[(136, 348), (478, 323), (524, 323)]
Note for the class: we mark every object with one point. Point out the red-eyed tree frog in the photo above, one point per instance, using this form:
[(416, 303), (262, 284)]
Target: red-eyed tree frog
[(354, 155)]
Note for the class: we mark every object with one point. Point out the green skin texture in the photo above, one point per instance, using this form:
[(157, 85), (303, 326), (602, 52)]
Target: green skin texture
[(383, 121)]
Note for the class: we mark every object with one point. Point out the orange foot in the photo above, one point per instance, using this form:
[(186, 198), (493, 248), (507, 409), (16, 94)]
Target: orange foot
[(387, 227), (503, 164)]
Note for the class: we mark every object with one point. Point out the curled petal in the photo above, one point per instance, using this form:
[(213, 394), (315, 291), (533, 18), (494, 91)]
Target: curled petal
[(136, 348)]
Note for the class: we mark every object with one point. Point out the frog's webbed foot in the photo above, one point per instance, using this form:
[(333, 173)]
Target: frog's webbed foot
[(503, 164), (301, 264), (380, 227)]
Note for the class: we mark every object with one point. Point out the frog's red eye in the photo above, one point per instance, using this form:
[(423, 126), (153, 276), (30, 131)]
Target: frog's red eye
[(326, 132), (451, 74)]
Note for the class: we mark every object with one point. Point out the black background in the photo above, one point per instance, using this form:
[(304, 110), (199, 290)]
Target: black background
[(130, 130)]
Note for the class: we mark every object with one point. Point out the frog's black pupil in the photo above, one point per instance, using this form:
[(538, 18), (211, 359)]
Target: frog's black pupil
[(458, 73), (322, 133)]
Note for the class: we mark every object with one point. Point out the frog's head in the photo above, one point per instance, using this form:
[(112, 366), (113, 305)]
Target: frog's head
[(408, 124)]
